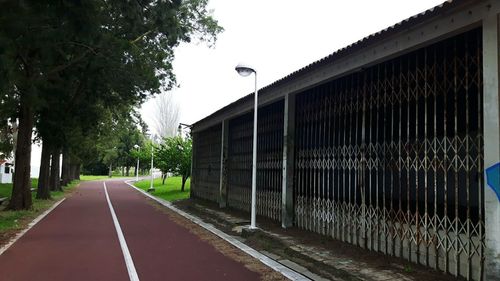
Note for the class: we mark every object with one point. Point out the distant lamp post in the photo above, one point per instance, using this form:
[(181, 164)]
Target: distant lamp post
[(151, 187), (137, 167), (245, 70)]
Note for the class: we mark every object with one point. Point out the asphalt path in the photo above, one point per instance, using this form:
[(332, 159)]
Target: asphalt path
[(111, 232)]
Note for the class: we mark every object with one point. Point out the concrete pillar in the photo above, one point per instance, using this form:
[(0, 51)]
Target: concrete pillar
[(193, 165), (491, 129), (287, 207), (223, 164)]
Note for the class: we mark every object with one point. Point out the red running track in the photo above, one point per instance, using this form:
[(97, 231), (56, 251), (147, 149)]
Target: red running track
[(78, 241)]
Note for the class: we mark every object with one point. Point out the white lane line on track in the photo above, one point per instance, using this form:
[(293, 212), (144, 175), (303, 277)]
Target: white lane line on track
[(275, 265), (132, 273), (30, 226)]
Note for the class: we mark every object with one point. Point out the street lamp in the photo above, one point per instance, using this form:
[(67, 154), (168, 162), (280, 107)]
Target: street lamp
[(179, 129), (245, 70), (151, 187), (137, 168)]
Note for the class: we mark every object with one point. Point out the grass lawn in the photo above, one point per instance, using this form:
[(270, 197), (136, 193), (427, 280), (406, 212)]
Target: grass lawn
[(170, 191), (94, 178), (6, 188), (16, 220)]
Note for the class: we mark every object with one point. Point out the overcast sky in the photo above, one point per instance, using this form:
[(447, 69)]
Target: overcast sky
[(276, 37)]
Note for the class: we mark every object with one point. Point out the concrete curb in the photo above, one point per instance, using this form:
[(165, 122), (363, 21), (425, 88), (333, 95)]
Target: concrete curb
[(30, 225), (285, 271)]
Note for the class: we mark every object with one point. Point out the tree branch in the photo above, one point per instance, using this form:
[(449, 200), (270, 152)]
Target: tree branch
[(64, 66), (142, 36), (89, 48)]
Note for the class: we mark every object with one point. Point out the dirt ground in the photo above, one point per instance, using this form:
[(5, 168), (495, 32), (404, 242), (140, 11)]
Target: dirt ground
[(263, 241)]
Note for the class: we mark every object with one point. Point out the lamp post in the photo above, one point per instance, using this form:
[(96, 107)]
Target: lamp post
[(245, 70), (151, 187), (137, 167), (179, 129)]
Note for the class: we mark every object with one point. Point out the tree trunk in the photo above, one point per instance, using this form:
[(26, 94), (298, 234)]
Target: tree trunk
[(163, 178), (77, 177), (66, 178), (73, 171), (184, 179), (21, 190), (127, 171), (123, 171), (110, 170), (43, 191), (55, 177)]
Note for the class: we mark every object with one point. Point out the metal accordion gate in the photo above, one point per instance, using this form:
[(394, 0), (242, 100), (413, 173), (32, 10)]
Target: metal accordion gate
[(269, 161), (390, 158), (206, 164)]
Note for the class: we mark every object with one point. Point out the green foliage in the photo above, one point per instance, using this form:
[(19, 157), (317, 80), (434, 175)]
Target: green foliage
[(174, 156), (144, 153), (170, 191), (5, 141), (128, 137), (117, 48), (113, 143), (67, 66)]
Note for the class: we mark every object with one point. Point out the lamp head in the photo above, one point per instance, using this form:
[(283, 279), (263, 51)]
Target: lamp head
[(136, 146), (244, 69)]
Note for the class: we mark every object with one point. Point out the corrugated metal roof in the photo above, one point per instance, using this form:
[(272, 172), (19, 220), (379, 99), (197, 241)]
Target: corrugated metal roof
[(375, 37)]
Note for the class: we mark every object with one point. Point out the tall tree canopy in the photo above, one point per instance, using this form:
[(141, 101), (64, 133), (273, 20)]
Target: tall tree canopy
[(79, 57), (165, 115)]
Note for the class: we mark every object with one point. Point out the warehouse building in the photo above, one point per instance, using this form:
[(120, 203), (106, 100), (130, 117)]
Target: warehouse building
[(391, 144)]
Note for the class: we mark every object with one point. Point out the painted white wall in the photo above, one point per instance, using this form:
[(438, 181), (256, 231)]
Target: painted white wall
[(5, 177)]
